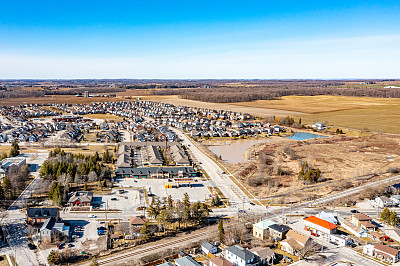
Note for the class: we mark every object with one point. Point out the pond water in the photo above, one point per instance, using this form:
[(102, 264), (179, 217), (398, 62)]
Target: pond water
[(304, 136), (232, 151)]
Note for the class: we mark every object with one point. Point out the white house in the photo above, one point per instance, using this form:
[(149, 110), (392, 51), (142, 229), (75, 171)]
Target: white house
[(207, 247), (383, 252), (395, 199), (383, 202), (241, 256), (341, 240)]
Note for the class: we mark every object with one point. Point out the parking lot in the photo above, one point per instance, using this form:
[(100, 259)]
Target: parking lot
[(127, 201), (198, 191)]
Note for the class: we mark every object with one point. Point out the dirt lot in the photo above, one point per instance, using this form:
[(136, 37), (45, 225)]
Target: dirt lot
[(343, 161)]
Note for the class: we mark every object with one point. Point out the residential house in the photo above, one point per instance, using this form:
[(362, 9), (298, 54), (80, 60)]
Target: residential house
[(294, 242), (395, 199), (363, 221), (241, 256), (357, 218), (138, 221), (168, 263), (278, 231), (40, 215), (220, 261), (319, 226), (209, 248), (355, 230), (81, 198), (266, 255), (51, 228), (186, 261), (380, 251), (261, 229), (383, 202)]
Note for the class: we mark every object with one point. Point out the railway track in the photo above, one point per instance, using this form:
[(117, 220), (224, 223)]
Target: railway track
[(149, 249)]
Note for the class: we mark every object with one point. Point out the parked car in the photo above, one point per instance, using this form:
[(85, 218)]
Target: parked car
[(31, 246), (101, 228), (113, 198), (386, 238), (100, 232), (252, 203), (92, 216), (354, 211), (70, 245), (314, 234)]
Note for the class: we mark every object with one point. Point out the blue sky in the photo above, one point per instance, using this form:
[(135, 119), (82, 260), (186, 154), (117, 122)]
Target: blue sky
[(199, 39)]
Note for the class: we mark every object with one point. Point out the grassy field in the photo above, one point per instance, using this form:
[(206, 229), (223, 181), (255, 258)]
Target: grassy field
[(104, 116)]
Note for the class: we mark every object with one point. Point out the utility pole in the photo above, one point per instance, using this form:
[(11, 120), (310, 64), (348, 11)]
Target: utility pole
[(106, 209)]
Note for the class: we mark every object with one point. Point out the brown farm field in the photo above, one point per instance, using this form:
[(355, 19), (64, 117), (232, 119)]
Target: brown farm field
[(377, 114), (361, 113), (57, 99)]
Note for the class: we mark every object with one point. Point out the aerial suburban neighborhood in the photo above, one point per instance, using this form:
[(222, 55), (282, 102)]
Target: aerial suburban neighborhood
[(105, 177), (199, 133)]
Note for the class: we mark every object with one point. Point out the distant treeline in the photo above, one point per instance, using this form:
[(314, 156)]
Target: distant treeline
[(21, 94), (154, 86), (82, 90), (245, 94)]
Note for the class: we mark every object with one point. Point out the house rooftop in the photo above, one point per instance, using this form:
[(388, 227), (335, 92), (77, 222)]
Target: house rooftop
[(264, 224), (279, 228), (186, 261), (220, 261), (42, 212), (386, 249), (361, 217), (241, 252), (320, 222)]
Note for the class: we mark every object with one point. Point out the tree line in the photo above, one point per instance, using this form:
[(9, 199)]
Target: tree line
[(166, 212), (220, 94), (65, 169)]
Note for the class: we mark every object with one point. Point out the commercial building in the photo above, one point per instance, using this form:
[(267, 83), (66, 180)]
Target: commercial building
[(319, 226), (40, 215), (81, 198), (156, 172)]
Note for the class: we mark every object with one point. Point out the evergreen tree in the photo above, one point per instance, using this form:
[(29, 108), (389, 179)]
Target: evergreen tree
[(144, 231), (94, 262), (53, 257), (385, 214), (106, 156), (221, 231), (14, 149), (393, 219), (7, 187)]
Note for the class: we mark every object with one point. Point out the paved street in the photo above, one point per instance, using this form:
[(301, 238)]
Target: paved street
[(14, 221)]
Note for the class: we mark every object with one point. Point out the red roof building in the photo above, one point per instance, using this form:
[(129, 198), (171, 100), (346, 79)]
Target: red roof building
[(319, 226)]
